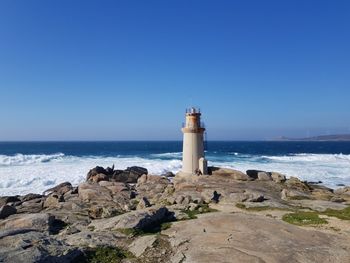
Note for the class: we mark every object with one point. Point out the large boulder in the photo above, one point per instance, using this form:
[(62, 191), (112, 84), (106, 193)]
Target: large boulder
[(154, 188), (253, 173), (292, 194), (245, 196), (129, 175), (277, 177), (53, 200), (28, 246), (229, 174), (140, 219), (105, 201), (264, 176), (93, 192), (31, 203), (39, 222), (95, 171)]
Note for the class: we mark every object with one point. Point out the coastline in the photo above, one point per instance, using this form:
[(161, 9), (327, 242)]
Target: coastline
[(36, 166), (137, 217)]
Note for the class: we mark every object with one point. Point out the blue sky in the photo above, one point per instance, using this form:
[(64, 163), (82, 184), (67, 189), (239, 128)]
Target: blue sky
[(126, 70)]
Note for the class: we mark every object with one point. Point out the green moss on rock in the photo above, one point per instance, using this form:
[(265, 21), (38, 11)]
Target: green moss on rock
[(105, 255), (200, 210), (304, 218), (343, 214)]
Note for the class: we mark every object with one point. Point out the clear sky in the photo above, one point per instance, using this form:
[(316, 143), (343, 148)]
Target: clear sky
[(126, 70)]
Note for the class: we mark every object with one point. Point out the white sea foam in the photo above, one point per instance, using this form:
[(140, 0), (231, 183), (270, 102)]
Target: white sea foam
[(331, 169), (25, 176), (22, 159), (22, 174)]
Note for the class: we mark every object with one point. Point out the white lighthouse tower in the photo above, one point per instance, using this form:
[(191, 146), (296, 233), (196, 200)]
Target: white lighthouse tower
[(193, 161)]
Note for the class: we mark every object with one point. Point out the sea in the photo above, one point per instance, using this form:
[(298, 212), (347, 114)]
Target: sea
[(33, 167)]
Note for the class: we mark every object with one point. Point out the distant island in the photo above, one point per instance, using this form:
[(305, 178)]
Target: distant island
[(337, 137)]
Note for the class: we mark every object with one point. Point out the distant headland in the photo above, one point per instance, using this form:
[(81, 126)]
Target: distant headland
[(335, 137)]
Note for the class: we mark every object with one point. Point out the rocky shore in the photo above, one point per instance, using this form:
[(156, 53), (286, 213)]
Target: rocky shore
[(132, 216)]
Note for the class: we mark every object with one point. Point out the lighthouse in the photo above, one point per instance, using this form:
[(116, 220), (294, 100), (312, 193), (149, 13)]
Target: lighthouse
[(193, 161)]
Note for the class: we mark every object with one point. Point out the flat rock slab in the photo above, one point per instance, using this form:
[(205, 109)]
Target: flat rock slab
[(31, 247), (140, 219), (226, 237), (140, 245), (94, 239)]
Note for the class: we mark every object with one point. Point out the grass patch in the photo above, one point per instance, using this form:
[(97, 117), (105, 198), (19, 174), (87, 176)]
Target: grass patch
[(341, 214), (254, 208), (304, 218), (105, 255), (200, 210), (91, 228), (299, 197), (165, 226)]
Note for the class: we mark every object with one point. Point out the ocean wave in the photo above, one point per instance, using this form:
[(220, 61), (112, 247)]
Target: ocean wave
[(167, 155), (307, 157), (25, 159), (22, 174)]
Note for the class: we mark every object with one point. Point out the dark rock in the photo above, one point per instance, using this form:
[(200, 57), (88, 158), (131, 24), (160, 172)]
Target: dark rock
[(60, 189), (129, 175), (137, 170), (8, 199), (6, 211), (253, 173), (169, 174), (30, 197)]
